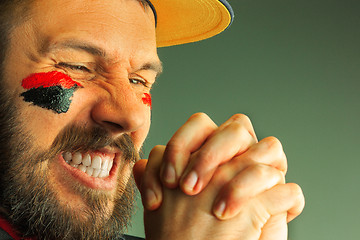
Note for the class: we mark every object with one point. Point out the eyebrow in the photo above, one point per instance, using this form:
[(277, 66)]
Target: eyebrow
[(92, 49), (154, 66)]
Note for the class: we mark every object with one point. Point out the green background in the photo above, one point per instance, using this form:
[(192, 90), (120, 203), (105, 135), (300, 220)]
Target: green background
[(293, 66)]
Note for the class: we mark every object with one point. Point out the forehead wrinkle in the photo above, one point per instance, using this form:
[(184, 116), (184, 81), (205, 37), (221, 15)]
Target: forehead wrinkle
[(98, 10), (79, 45), (119, 18), (97, 13)]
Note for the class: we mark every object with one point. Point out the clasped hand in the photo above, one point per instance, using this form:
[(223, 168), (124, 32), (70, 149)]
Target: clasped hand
[(213, 182)]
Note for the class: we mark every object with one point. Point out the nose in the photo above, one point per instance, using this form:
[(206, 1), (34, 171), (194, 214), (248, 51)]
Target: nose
[(120, 109)]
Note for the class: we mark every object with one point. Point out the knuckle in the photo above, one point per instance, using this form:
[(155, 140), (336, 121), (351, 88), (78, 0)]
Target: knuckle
[(236, 186), (157, 149), (272, 176), (175, 144), (274, 143), (296, 191), (243, 121), (235, 202), (240, 117), (237, 127), (276, 147), (202, 120), (205, 157), (175, 148), (300, 199), (297, 195), (297, 200), (259, 171), (199, 116)]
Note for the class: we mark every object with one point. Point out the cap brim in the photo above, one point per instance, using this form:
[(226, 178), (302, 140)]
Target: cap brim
[(184, 21)]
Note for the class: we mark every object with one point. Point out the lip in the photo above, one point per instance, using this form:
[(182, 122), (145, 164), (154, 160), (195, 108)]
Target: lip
[(108, 183)]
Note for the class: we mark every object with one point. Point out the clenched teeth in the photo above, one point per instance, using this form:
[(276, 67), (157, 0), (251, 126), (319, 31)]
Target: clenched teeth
[(95, 166)]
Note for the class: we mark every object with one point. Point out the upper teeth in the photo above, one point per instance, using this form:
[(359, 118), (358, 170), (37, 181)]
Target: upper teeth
[(96, 166)]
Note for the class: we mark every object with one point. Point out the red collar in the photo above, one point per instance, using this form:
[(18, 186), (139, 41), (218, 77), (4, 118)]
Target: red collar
[(5, 225)]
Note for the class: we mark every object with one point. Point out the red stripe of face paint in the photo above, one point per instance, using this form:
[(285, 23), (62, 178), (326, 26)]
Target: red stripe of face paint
[(147, 99), (48, 79)]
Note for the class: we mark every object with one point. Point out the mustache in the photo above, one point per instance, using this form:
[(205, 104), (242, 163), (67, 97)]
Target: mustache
[(80, 138)]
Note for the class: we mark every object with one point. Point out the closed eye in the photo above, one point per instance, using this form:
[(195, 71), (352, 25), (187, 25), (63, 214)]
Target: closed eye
[(75, 67)]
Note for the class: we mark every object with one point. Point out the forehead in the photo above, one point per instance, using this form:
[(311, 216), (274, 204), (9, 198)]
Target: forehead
[(125, 25)]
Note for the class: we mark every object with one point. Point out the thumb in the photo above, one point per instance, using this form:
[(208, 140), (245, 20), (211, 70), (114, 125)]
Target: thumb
[(138, 171)]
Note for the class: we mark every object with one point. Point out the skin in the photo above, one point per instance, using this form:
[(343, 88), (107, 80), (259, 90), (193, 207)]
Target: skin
[(111, 95), (236, 169), (240, 180)]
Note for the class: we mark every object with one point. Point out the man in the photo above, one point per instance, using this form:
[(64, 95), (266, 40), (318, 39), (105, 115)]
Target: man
[(75, 110)]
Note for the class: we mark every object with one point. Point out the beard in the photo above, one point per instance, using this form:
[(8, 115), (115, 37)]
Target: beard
[(30, 203)]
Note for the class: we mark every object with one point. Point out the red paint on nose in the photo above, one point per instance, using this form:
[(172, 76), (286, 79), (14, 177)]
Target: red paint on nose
[(147, 99), (48, 79)]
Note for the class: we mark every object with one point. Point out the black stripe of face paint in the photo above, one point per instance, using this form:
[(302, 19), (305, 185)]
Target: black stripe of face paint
[(55, 98)]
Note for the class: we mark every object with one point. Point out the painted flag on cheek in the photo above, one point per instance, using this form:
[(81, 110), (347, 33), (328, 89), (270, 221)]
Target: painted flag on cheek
[(147, 100), (50, 90)]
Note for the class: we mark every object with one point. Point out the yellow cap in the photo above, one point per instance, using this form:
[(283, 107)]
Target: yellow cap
[(184, 21)]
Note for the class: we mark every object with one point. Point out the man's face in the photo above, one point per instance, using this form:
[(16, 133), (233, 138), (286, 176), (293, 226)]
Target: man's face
[(80, 67)]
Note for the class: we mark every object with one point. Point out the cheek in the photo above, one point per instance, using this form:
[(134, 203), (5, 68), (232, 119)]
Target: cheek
[(140, 135), (50, 90)]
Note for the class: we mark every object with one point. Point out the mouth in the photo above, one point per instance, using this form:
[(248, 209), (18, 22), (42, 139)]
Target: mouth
[(96, 170), (94, 165)]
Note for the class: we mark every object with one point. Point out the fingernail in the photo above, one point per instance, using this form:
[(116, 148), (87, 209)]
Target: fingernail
[(190, 181), (170, 175), (151, 199), (220, 209)]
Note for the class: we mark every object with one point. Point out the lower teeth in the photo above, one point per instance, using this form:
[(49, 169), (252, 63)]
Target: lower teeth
[(94, 166), (100, 173)]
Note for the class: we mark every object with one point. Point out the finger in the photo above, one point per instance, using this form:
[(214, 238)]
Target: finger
[(138, 172), (268, 151), (245, 120), (247, 184), (185, 141), (250, 178), (284, 198), (275, 228), (231, 139), (151, 188)]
